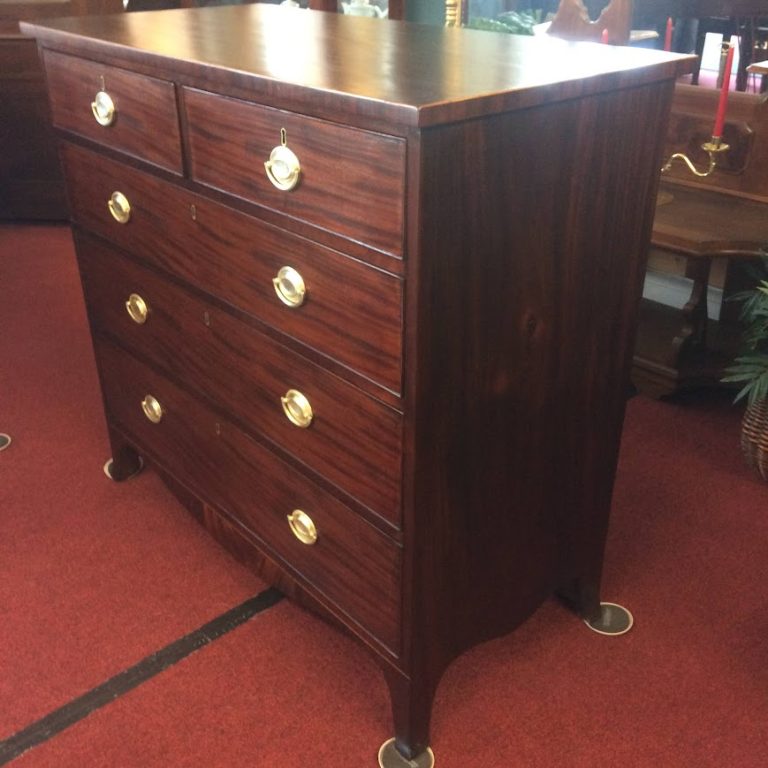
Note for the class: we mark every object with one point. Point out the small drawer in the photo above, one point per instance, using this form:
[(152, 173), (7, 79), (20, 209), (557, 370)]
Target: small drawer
[(351, 312), (122, 110), (345, 559), (340, 432), (349, 181)]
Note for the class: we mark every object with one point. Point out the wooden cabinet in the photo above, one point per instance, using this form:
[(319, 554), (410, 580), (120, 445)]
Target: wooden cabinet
[(31, 185), (370, 299)]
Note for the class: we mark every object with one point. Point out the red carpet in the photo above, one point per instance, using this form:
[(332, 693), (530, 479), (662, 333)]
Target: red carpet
[(94, 575)]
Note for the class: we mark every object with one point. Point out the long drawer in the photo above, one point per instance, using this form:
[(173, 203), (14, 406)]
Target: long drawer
[(350, 181), (143, 121), (343, 434), (350, 311), (350, 563)]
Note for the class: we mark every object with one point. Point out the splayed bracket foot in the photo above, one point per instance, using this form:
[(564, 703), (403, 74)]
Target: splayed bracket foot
[(108, 467), (389, 757), (613, 620)]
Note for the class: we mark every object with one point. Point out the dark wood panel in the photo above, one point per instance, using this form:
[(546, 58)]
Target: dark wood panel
[(668, 358), (14, 10), (526, 333), (19, 59), (24, 126), (246, 548), (352, 563), (353, 313), (353, 440), (146, 123), (351, 181), (31, 185)]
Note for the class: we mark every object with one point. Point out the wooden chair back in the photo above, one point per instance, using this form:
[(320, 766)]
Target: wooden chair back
[(572, 22)]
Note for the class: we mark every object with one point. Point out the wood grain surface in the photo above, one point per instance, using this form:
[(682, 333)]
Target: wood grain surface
[(351, 181), (352, 563), (146, 123), (524, 172), (353, 312), (355, 70), (353, 440)]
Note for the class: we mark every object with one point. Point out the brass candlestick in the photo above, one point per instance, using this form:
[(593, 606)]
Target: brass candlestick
[(714, 148)]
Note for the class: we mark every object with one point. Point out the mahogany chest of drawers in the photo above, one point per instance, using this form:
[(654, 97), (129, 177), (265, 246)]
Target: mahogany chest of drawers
[(365, 294)]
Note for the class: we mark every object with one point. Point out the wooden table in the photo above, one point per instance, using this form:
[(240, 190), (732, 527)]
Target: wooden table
[(684, 349), (760, 68)]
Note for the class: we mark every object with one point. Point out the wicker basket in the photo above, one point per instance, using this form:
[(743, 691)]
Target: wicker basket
[(754, 437)]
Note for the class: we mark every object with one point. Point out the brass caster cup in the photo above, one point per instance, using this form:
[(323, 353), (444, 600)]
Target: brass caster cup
[(389, 757), (108, 469), (614, 620), (5, 441)]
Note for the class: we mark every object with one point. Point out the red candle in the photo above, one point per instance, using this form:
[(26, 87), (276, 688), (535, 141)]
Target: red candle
[(668, 35), (604, 36), (722, 103)]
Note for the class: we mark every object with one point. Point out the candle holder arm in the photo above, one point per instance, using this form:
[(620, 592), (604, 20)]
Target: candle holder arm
[(714, 148)]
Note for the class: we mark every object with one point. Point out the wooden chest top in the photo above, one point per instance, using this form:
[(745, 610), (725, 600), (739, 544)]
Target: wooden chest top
[(359, 69)]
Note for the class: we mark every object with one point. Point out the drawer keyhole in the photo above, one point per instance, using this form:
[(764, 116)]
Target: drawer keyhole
[(283, 167)]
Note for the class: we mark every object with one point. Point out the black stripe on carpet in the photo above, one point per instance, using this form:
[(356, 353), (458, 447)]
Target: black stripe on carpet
[(81, 707)]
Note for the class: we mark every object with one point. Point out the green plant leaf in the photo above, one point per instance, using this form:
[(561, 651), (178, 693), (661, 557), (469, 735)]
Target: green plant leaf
[(512, 22), (754, 371), (751, 367)]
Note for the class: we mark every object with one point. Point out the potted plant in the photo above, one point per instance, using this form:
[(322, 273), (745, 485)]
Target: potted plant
[(513, 22), (750, 370)]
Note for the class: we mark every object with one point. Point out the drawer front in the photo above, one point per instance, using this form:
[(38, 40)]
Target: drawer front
[(352, 312), (351, 439), (351, 563), (145, 123), (351, 181)]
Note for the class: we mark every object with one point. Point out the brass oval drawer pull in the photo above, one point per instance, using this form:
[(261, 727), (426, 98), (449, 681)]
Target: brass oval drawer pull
[(297, 408), (103, 108), (290, 287), (152, 409), (302, 527), (137, 308), (119, 207), (283, 167)]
